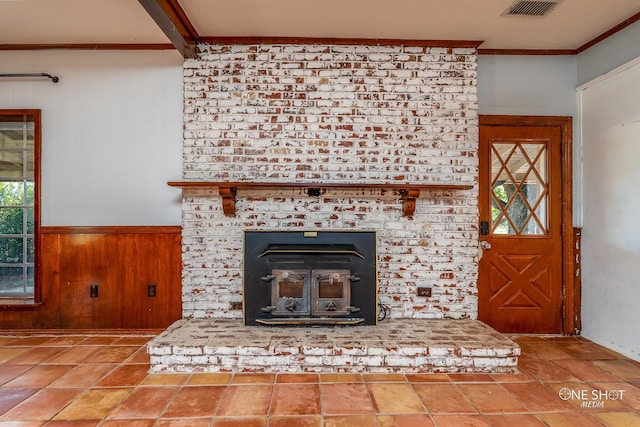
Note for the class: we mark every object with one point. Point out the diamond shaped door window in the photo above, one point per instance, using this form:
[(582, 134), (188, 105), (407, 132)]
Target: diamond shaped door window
[(520, 188)]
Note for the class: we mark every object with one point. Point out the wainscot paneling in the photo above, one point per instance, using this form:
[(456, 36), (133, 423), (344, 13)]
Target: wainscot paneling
[(122, 262)]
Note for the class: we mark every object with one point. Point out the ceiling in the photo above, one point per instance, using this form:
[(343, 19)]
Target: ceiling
[(571, 25)]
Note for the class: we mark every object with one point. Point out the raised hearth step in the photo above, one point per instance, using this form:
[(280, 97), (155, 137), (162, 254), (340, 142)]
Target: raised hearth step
[(394, 345)]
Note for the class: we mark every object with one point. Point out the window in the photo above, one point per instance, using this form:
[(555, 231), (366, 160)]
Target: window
[(19, 206), (520, 188)]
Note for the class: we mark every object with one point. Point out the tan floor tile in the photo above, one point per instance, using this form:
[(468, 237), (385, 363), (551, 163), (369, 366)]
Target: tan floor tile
[(405, 420), (10, 353), (569, 419), (537, 397), (428, 378), (296, 421), (460, 420), (77, 354), (35, 341), (240, 422), (197, 401), (624, 369), (85, 375), (585, 370), (491, 398), (145, 402), (165, 379), (544, 370), (295, 399), (548, 351), (113, 354), (511, 420), (471, 378), (590, 351), (619, 419), (73, 423), (246, 400), (209, 379), (629, 395), (23, 423), (139, 356), (515, 377), (444, 399), (297, 378), (345, 399), (125, 375), (94, 404), (133, 340), (565, 339), (351, 421), (586, 398), (9, 372), (392, 398), (341, 378), (36, 355), (99, 340), (127, 423), (39, 376), (10, 397), (43, 405), (184, 422), (253, 378), (66, 340), (384, 377)]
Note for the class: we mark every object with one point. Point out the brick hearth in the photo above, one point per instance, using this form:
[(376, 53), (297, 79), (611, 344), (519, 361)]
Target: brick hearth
[(394, 345)]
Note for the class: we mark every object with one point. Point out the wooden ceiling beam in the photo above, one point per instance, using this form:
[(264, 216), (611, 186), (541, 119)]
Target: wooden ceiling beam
[(173, 22)]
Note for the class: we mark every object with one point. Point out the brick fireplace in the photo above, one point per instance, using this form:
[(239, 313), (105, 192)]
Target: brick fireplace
[(323, 138), (353, 114)]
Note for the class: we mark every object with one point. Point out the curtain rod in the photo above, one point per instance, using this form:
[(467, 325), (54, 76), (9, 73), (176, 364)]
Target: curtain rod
[(54, 79)]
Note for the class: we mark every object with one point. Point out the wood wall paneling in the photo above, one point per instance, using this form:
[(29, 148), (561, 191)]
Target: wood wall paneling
[(122, 261)]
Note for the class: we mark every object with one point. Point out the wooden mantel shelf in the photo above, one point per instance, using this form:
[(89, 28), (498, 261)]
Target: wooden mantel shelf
[(227, 190)]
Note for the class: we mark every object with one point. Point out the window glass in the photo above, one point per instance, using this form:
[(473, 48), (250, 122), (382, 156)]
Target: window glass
[(18, 205), (520, 188)]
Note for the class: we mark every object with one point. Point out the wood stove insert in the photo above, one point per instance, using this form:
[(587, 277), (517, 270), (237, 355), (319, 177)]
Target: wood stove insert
[(310, 278)]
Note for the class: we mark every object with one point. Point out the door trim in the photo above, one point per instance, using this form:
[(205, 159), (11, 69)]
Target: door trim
[(570, 286)]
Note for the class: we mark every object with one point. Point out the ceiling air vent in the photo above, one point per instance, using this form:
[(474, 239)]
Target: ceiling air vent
[(531, 7)]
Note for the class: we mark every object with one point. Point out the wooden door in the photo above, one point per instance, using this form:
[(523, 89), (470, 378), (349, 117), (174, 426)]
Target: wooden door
[(521, 266)]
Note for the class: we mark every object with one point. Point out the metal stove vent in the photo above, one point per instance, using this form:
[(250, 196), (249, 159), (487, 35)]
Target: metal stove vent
[(531, 7)]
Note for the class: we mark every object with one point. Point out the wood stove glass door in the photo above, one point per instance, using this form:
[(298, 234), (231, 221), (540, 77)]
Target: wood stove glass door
[(331, 292), (290, 294)]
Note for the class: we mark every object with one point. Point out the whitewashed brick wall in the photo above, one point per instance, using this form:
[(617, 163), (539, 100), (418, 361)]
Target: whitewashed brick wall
[(334, 113)]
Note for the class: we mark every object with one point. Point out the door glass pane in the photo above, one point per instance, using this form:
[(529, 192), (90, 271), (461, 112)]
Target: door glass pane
[(520, 189), (288, 288), (330, 288)]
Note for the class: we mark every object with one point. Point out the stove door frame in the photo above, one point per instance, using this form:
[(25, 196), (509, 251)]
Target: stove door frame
[(301, 305), (319, 305)]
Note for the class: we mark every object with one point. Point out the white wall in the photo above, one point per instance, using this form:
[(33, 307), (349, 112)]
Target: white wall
[(611, 235), (527, 85), (612, 52), (112, 133)]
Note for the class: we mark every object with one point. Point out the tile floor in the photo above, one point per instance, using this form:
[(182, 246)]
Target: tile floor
[(96, 380)]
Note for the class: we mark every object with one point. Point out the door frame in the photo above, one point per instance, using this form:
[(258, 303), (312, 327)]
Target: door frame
[(570, 286)]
